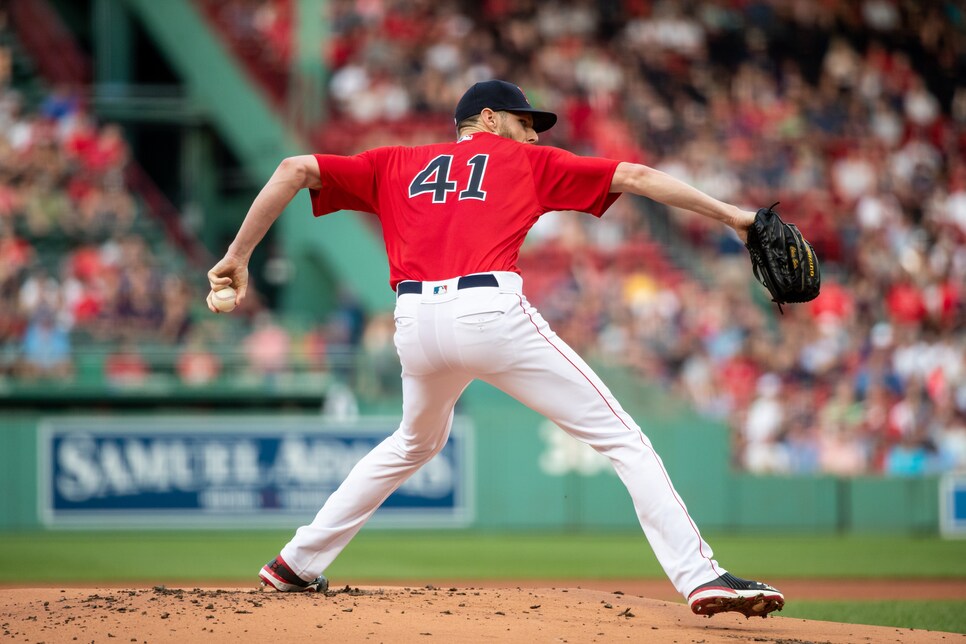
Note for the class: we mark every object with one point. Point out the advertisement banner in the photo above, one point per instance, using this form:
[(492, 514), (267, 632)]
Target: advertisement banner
[(952, 506), (246, 471)]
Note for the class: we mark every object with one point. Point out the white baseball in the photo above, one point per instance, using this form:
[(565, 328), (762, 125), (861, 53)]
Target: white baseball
[(224, 299)]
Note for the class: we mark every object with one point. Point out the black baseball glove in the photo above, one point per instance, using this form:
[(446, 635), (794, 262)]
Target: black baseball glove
[(782, 260)]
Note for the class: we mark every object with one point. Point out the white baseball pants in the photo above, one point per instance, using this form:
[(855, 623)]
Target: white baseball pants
[(446, 337)]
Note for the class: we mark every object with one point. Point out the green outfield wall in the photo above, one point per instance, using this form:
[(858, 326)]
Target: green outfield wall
[(526, 474)]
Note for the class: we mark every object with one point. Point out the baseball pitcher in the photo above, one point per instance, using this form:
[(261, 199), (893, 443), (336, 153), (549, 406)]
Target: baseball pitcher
[(454, 216)]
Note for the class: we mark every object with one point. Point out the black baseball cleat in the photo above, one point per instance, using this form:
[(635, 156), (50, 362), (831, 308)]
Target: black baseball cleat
[(728, 593), (278, 575)]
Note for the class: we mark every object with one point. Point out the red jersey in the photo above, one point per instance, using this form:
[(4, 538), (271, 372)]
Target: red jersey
[(464, 207)]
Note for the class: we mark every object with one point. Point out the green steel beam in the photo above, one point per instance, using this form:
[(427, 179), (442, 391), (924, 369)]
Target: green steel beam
[(112, 44), (306, 104), (240, 113)]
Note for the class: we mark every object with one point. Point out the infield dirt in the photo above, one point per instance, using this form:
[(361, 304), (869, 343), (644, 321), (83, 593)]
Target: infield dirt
[(404, 614)]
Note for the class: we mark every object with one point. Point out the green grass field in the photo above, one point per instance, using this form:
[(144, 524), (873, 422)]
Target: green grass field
[(182, 557)]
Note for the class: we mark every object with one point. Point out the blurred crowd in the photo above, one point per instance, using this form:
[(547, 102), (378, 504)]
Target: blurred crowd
[(73, 266), (852, 114), (83, 275)]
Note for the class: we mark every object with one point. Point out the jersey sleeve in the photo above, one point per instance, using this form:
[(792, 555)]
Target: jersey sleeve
[(565, 181), (348, 183)]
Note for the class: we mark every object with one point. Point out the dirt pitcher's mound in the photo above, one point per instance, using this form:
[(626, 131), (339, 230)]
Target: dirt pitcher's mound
[(395, 614)]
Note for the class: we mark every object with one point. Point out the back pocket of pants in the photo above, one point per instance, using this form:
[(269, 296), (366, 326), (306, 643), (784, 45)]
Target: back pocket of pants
[(480, 318)]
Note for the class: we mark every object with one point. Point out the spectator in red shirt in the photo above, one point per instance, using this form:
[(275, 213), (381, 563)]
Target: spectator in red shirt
[(126, 366), (905, 302)]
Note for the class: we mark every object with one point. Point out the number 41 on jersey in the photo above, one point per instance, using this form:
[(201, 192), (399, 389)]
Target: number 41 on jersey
[(434, 178)]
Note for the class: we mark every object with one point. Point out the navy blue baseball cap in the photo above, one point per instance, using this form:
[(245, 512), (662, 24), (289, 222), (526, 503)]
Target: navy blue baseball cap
[(501, 96)]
